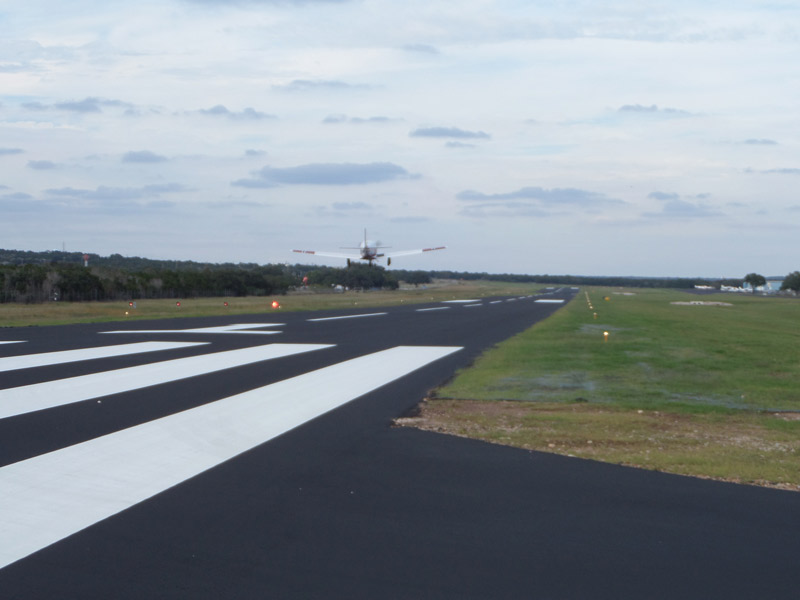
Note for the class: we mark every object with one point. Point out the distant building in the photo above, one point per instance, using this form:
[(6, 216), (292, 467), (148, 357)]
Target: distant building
[(772, 286)]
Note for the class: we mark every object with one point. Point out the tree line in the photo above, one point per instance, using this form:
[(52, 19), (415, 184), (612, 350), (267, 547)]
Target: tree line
[(33, 283), (58, 275)]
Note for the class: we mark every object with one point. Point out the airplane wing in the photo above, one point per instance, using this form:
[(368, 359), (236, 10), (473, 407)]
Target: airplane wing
[(410, 252), (328, 254)]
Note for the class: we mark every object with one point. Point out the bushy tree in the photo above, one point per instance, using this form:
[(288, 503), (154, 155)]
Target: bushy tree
[(792, 282), (755, 280), (417, 277)]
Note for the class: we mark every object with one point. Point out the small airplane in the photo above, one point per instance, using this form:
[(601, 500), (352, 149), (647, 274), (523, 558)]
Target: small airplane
[(369, 251)]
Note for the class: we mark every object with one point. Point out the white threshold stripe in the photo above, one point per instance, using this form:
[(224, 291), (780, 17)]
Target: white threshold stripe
[(379, 314), (28, 361), (39, 396), (548, 301), (52, 496), (237, 328), (435, 308)]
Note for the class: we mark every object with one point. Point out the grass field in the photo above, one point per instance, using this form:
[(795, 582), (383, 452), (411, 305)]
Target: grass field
[(55, 313), (697, 389)]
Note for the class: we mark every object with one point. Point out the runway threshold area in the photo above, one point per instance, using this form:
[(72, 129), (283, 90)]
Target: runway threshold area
[(211, 464), (49, 497)]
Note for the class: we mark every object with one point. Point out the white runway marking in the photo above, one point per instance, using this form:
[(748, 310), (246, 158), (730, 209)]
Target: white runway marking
[(549, 301), (380, 314), (52, 496), (29, 398), (13, 342), (436, 308), (495, 302), (459, 301), (28, 361), (472, 305), (238, 328)]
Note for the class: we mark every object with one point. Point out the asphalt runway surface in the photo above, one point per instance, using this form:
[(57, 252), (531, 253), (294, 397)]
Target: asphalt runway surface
[(254, 457)]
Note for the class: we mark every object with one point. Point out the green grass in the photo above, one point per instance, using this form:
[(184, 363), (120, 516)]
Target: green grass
[(696, 390), (658, 355)]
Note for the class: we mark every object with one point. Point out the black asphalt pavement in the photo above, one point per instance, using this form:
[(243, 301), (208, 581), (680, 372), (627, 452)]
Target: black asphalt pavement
[(347, 506)]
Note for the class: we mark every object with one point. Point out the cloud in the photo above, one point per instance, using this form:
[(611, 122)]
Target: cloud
[(761, 142), (16, 196), (421, 48), (458, 145), (339, 118), (342, 210), (326, 174), (533, 202), (35, 106), (351, 206), (663, 196), (87, 105), (253, 152), (555, 196), (10, 151), (17, 202), (41, 165), (654, 110), (13, 68), (782, 171), (307, 85), (676, 208), (449, 132), (248, 114), (105, 193), (410, 220), (142, 156), (226, 3)]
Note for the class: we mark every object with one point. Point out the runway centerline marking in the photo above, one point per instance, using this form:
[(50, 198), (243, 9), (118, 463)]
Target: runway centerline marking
[(378, 314), (39, 396), (548, 301), (29, 361), (435, 308), (54, 495), (14, 342), (239, 328)]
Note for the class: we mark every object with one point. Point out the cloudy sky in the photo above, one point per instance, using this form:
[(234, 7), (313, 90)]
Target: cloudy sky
[(563, 136)]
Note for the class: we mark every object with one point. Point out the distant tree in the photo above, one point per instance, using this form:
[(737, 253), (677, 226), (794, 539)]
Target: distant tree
[(417, 277), (792, 282), (755, 280)]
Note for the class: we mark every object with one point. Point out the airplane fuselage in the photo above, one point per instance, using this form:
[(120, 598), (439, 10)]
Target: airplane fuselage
[(369, 250)]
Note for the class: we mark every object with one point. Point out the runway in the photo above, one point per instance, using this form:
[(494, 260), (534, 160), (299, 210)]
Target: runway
[(254, 457)]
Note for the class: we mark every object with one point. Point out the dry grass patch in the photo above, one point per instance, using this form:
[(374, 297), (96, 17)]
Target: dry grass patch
[(739, 446)]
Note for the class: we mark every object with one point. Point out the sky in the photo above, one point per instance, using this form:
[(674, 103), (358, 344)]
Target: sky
[(587, 137)]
